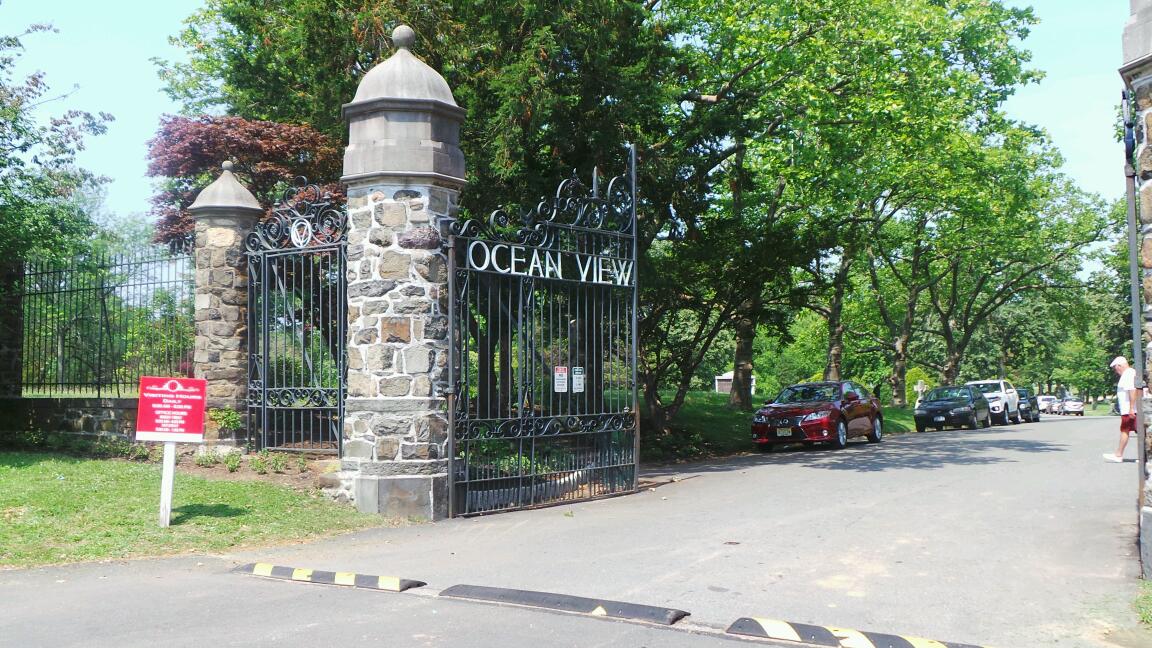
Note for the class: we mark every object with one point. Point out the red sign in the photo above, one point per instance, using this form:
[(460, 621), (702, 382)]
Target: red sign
[(171, 409)]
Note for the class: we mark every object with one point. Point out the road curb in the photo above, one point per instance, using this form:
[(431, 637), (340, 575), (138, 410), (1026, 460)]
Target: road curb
[(346, 579), (814, 635), (567, 603)]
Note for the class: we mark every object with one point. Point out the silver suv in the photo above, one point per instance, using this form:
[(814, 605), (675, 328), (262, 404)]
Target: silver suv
[(1002, 399)]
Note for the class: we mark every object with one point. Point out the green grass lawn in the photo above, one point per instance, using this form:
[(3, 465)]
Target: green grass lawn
[(726, 431), (1143, 603), (59, 509)]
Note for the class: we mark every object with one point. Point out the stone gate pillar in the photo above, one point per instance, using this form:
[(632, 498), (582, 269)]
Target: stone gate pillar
[(1137, 75), (404, 171), (11, 328), (225, 212)]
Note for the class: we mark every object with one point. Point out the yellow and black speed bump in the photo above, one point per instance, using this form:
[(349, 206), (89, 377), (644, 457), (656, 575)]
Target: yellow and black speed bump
[(567, 603), (349, 579), (814, 635)]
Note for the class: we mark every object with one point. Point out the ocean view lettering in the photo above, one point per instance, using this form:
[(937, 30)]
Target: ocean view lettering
[(523, 261)]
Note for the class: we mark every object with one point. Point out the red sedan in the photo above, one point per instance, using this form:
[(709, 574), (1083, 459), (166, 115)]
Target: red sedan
[(824, 412)]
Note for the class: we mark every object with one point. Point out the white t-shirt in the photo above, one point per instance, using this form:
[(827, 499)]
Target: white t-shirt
[(1127, 383)]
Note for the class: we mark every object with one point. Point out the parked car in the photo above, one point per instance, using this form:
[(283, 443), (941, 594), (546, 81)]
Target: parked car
[(953, 406), (1002, 399), (1029, 404), (1072, 406), (823, 412), (1046, 403)]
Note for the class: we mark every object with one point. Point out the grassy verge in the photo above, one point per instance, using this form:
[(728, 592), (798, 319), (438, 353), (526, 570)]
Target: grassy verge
[(1143, 603), (709, 427), (57, 509)]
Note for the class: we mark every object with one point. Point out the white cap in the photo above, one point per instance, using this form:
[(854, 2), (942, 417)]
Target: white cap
[(1118, 360)]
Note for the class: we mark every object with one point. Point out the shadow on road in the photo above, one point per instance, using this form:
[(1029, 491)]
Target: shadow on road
[(927, 451)]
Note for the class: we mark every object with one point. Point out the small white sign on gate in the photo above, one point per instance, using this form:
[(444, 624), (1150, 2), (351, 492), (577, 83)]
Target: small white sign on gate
[(560, 379), (577, 380)]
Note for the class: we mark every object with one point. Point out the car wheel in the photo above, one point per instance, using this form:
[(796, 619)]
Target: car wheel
[(841, 440), (920, 428), (1016, 418), (988, 420), (974, 423), (877, 433)]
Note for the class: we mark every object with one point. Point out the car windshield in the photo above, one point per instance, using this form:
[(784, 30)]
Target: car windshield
[(1074, 400), (947, 393), (987, 387), (807, 394), (1023, 393)]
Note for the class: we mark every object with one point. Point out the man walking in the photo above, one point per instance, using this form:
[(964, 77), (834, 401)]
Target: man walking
[(1126, 396)]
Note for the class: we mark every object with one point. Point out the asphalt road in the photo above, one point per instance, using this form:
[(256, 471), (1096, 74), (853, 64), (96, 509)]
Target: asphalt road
[(1017, 536)]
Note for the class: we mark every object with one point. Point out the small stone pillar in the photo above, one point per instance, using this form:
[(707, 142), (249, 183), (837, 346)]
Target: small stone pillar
[(404, 171), (225, 212)]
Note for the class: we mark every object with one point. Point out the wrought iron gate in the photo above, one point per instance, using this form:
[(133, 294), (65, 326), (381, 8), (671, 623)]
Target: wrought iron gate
[(297, 324), (543, 400)]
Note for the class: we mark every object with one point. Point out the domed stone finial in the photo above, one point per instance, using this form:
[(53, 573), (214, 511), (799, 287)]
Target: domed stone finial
[(226, 194), (403, 36)]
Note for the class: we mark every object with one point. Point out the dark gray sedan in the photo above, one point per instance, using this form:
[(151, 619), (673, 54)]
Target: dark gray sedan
[(953, 406)]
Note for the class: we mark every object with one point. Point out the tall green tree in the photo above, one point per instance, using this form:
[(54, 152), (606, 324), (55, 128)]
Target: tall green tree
[(41, 208)]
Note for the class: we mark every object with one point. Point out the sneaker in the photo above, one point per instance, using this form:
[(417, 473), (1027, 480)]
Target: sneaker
[(1108, 456)]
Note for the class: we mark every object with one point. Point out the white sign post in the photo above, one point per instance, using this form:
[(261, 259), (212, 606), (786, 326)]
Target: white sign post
[(170, 410), (166, 483)]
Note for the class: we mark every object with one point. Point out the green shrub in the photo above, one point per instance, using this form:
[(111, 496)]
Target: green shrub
[(207, 459), (278, 463), (232, 461), (302, 464), (228, 419), (259, 462), (139, 452)]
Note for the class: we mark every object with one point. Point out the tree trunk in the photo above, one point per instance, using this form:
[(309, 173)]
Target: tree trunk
[(740, 395), (899, 376), (832, 370), (951, 368), (655, 414)]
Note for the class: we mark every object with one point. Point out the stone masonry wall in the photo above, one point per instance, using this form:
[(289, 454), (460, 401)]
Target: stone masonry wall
[(81, 416), (395, 423), (221, 354)]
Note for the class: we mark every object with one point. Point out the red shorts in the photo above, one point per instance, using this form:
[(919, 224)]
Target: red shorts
[(1128, 423)]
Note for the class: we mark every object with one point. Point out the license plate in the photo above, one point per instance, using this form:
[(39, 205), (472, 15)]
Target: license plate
[(939, 419), (783, 432)]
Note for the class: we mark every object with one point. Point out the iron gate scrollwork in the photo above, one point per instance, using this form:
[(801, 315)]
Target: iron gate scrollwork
[(297, 323), (543, 398)]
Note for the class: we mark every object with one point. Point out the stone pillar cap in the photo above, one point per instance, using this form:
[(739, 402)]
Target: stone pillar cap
[(226, 193), (403, 76)]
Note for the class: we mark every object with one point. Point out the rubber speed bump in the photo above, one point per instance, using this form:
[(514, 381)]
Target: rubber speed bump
[(567, 603), (814, 635), (348, 579)]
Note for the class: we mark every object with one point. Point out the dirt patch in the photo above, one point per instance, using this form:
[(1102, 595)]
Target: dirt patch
[(296, 474)]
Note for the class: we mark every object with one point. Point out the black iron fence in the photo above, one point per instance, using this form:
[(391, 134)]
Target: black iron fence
[(93, 325), (297, 324)]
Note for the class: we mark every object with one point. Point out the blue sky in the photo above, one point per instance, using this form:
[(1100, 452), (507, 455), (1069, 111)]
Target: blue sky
[(105, 47)]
